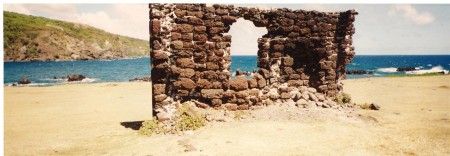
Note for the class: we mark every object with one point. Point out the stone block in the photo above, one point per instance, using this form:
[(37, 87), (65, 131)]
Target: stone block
[(176, 45), (212, 93), (288, 61), (231, 106), (295, 83), (160, 97), (159, 55), (184, 83), (239, 83), (216, 102), (156, 26), (242, 94), (204, 84), (222, 12), (187, 73), (212, 66), (159, 89), (285, 96), (185, 63), (252, 83)]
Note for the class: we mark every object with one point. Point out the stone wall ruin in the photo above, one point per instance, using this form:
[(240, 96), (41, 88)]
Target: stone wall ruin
[(302, 58)]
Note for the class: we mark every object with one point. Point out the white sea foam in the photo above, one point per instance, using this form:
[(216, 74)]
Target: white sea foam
[(52, 79), (419, 67), (29, 85), (88, 80), (38, 84), (9, 84), (432, 70), (429, 65), (388, 70)]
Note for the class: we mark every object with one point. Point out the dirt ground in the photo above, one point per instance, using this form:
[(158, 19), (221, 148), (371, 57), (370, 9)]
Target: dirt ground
[(98, 119)]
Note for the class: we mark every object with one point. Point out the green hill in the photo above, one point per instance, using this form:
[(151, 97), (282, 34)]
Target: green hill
[(31, 38)]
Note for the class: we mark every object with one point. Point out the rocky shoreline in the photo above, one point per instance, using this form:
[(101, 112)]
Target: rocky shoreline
[(69, 78), (141, 79), (69, 60), (358, 72)]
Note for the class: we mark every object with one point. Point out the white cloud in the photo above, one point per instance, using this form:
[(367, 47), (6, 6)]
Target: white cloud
[(123, 19), (55, 11), (136, 18), (100, 20), (411, 14), (16, 8), (244, 37), (318, 7)]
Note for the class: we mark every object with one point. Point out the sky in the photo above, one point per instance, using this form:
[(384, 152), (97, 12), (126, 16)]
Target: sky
[(381, 29)]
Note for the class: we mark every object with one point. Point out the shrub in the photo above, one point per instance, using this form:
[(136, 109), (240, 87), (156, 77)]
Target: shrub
[(187, 122), (32, 50), (189, 118), (149, 127), (342, 98), (239, 114), (24, 41), (365, 106)]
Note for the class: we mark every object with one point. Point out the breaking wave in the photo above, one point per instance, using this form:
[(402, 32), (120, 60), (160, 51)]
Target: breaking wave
[(432, 70), (30, 84), (388, 70), (88, 80), (50, 82)]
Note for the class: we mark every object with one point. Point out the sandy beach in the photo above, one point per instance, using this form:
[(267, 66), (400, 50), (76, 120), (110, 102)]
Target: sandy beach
[(97, 119)]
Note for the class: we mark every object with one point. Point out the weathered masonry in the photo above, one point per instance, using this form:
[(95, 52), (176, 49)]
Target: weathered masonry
[(304, 52)]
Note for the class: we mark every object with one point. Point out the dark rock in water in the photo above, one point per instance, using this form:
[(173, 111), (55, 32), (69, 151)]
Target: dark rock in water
[(55, 77), (374, 106), (358, 72), (141, 79), (75, 77), (246, 73), (441, 72), (24, 80), (239, 72), (406, 69)]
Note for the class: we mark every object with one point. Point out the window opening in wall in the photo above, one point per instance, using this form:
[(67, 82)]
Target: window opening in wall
[(244, 47)]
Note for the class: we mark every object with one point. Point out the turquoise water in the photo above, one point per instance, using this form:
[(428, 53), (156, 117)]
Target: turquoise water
[(384, 65), (380, 65), (42, 73)]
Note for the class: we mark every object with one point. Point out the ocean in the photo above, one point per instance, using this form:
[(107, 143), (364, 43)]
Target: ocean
[(43, 73)]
